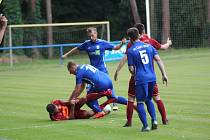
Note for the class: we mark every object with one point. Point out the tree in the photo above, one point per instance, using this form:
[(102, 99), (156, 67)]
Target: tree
[(49, 30), (208, 20), (135, 13), (165, 20)]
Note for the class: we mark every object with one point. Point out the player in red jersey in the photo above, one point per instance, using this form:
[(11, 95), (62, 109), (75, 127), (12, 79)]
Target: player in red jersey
[(131, 90), (62, 110)]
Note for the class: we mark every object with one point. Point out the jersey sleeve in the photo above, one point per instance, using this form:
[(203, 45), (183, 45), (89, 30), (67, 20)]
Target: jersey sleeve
[(78, 78), (154, 43), (82, 47), (108, 46)]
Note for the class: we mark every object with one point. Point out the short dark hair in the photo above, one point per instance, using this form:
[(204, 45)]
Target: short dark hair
[(133, 33), (70, 64), (51, 108), (91, 29), (140, 27)]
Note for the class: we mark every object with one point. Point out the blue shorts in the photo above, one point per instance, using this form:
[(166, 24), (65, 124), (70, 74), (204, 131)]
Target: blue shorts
[(144, 91)]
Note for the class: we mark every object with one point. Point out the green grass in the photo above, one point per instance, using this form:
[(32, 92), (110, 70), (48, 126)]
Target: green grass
[(27, 88)]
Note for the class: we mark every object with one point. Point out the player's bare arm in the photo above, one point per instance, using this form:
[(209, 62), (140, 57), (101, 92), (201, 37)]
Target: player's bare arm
[(166, 45), (70, 52), (162, 69), (77, 91), (123, 41), (131, 70), (119, 67)]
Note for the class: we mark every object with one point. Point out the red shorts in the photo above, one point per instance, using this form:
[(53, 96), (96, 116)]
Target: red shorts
[(131, 88)]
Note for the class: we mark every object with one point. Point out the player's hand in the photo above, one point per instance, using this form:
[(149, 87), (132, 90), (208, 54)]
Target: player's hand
[(115, 76), (123, 41), (3, 21), (73, 101), (169, 41), (165, 80), (64, 56)]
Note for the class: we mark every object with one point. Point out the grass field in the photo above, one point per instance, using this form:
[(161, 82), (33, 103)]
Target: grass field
[(27, 88)]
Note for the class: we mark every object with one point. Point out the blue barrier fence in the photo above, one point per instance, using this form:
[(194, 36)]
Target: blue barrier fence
[(109, 55)]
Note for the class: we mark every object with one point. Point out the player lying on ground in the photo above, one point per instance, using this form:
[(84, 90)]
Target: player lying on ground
[(61, 110), (131, 90), (97, 80), (95, 49)]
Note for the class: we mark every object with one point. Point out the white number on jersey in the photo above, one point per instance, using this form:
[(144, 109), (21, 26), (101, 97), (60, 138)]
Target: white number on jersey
[(144, 57), (91, 68)]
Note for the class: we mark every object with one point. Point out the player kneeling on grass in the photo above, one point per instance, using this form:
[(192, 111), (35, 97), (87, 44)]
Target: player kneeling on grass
[(63, 110), (97, 80)]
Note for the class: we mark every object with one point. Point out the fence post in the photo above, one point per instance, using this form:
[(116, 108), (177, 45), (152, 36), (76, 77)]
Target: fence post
[(10, 46), (61, 53)]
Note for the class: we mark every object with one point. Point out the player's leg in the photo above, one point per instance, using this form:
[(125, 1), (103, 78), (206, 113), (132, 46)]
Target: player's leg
[(141, 94), (160, 105), (131, 99), (150, 105), (114, 105)]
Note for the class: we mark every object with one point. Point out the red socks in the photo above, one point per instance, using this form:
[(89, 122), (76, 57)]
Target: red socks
[(129, 112), (162, 110)]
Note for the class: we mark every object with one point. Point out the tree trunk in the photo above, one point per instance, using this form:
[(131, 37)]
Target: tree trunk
[(35, 51), (208, 19), (49, 30), (135, 13), (166, 20)]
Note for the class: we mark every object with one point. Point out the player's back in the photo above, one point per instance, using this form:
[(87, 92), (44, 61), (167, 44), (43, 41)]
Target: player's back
[(141, 55), (90, 75)]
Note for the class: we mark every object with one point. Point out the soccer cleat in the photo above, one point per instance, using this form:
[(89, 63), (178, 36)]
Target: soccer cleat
[(154, 125), (127, 124), (99, 115), (145, 129), (115, 107), (166, 122)]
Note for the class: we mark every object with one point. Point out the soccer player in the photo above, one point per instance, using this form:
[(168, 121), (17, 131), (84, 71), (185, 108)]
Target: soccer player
[(97, 80), (95, 49), (61, 110), (131, 93), (3, 26), (140, 62)]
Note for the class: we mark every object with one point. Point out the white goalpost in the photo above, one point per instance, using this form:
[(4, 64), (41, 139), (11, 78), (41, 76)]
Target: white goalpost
[(63, 33)]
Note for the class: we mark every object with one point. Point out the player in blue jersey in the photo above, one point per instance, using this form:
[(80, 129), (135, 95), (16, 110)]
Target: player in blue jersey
[(140, 62), (98, 81), (95, 49)]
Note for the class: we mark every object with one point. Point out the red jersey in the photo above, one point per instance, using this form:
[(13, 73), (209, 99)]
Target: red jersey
[(63, 113), (144, 38)]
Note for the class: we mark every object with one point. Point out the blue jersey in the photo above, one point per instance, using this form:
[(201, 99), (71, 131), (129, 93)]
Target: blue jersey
[(96, 52), (99, 80), (140, 56)]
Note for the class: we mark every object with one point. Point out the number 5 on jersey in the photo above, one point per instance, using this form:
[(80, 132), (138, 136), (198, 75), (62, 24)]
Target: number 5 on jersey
[(144, 57)]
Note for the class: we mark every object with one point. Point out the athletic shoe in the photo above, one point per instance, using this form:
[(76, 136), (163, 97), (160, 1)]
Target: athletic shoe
[(165, 122), (99, 115), (154, 125), (145, 129), (115, 107), (127, 124)]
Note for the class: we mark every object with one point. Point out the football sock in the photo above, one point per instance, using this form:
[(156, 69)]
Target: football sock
[(142, 114), (151, 109), (94, 96), (122, 100), (162, 110), (129, 112)]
